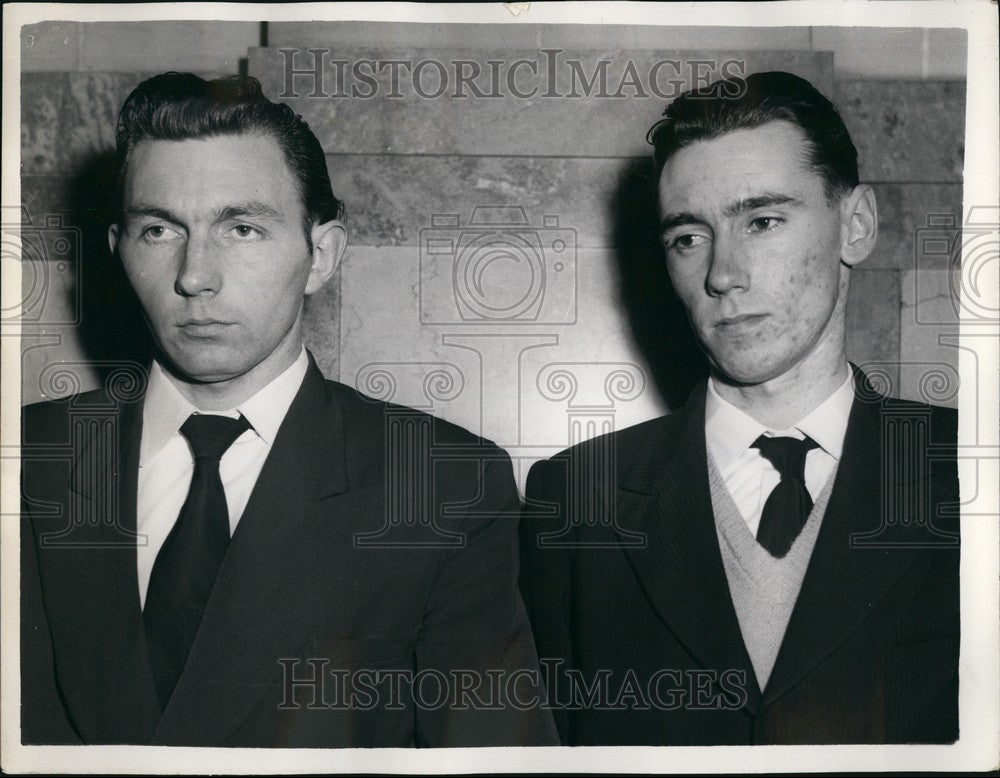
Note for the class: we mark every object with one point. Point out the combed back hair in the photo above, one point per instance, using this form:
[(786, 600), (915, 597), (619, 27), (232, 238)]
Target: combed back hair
[(746, 103), (183, 106)]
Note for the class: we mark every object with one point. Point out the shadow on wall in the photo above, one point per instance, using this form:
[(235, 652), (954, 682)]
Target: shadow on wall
[(656, 316), (112, 328)]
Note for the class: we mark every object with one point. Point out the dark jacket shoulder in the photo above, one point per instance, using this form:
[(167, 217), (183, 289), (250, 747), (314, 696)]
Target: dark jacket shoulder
[(47, 421), (942, 421), (368, 413), (643, 443)]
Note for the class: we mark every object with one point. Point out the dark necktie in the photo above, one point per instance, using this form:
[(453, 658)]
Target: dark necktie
[(789, 504), (188, 562)]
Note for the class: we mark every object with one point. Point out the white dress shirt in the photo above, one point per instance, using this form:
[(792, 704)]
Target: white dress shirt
[(166, 463), (749, 477)]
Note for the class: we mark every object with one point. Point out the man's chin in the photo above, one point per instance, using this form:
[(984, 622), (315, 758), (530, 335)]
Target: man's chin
[(744, 372), (200, 371)]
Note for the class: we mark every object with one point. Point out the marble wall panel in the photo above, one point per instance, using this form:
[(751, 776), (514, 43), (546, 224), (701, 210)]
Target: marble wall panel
[(393, 200), (208, 47), (947, 53), (322, 326), (43, 97), (201, 46), (384, 207), (873, 321), (421, 107), (526, 36), (43, 195), (68, 118), (906, 130), (929, 325), (55, 365), (911, 218), (896, 53), (518, 382), (79, 318), (904, 53), (49, 254), (92, 107), (534, 380), (52, 46)]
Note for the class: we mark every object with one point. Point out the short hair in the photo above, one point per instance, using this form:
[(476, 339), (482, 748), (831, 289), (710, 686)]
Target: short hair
[(183, 106), (745, 103)]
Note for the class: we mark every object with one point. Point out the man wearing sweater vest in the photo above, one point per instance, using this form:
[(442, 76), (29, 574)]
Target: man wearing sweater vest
[(777, 561)]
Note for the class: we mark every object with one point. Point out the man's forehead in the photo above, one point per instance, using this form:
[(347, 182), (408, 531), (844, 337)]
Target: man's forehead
[(250, 165), (743, 163), (261, 143)]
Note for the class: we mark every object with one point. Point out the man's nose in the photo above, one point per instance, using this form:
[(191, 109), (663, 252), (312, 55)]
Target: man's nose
[(728, 267), (199, 271)]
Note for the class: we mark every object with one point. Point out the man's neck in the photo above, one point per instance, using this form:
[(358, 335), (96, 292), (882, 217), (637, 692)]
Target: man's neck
[(785, 400), (226, 395)]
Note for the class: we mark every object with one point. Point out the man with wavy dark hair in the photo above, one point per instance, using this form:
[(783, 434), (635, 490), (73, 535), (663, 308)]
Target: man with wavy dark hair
[(776, 561), (244, 553)]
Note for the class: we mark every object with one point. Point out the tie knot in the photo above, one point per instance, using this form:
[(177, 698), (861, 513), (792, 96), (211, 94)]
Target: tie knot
[(211, 435), (788, 455)]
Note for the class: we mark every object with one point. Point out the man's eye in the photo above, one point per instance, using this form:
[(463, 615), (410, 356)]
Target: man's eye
[(245, 232), (157, 233), (685, 241), (764, 223)]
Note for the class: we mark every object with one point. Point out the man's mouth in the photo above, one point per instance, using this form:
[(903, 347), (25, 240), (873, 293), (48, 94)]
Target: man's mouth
[(203, 328), (741, 323)]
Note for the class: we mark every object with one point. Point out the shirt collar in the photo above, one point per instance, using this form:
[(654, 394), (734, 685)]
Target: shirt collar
[(267, 408), (827, 422), (729, 431), (165, 409)]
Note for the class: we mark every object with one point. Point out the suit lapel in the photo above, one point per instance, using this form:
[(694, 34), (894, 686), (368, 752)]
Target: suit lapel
[(257, 603), (843, 583), (91, 583), (665, 495)]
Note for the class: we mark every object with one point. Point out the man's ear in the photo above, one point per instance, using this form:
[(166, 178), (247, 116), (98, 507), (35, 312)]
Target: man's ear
[(113, 238), (329, 241), (859, 225)]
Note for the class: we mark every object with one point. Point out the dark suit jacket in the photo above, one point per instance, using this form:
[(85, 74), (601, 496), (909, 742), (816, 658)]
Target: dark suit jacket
[(377, 539), (633, 618)]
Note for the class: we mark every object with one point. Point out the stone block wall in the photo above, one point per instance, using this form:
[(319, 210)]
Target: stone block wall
[(591, 341)]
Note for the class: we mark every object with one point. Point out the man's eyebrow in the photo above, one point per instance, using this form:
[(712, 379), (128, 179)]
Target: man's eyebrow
[(251, 208), (766, 200), (671, 220), (141, 209)]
